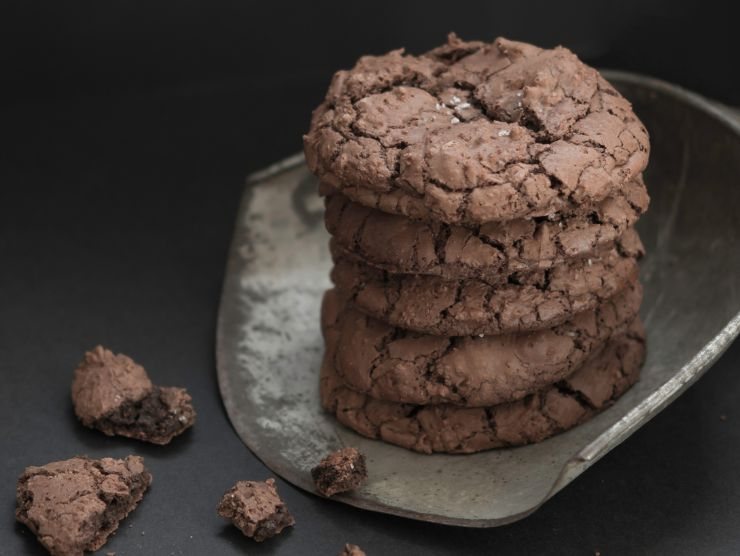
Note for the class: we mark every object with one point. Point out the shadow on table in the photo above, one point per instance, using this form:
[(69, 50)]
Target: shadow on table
[(244, 544)]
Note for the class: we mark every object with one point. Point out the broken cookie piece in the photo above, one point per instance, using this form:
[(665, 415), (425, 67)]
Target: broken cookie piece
[(113, 394), (352, 550), (340, 471), (256, 509), (73, 506)]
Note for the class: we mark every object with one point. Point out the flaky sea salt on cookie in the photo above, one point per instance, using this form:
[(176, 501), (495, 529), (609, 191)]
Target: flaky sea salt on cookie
[(477, 132)]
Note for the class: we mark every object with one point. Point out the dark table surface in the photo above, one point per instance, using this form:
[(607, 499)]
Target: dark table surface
[(115, 219)]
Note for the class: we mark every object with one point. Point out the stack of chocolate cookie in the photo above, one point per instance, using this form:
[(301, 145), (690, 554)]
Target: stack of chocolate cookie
[(481, 200)]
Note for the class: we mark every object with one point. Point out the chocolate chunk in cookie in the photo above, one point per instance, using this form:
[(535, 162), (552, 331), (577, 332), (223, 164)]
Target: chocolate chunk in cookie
[(113, 394), (340, 471), (393, 364), (468, 307), (492, 252), (494, 132), (256, 509), (600, 381), (73, 506)]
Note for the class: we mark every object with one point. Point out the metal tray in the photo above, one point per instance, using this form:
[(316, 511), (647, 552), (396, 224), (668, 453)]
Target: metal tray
[(269, 345)]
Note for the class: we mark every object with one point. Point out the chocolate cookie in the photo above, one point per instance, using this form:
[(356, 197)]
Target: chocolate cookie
[(73, 506), (602, 379), (340, 471), (256, 509), (113, 394), (393, 364), (491, 252), (477, 132), (433, 305)]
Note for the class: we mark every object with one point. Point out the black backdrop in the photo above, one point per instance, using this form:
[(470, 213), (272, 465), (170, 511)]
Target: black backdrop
[(85, 48), (126, 129)]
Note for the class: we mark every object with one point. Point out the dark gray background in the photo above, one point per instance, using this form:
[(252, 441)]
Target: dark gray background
[(126, 130)]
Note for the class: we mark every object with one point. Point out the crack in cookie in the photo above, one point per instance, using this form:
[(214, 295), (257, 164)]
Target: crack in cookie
[(491, 252), (491, 133), (469, 307), (596, 385), (396, 365)]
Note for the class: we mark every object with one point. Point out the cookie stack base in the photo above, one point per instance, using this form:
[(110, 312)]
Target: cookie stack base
[(601, 380)]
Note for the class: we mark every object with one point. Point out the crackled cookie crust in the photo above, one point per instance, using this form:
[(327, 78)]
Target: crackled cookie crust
[(446, 428), (491, 252), (393, 364), (256, 509), (112, 393), (468, 307), (74, 505), (477, 132)]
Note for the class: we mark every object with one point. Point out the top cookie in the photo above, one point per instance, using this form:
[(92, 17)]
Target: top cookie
[(477, 132)]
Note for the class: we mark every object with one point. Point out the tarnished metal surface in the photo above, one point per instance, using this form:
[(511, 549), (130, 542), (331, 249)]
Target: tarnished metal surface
[(269, 343)]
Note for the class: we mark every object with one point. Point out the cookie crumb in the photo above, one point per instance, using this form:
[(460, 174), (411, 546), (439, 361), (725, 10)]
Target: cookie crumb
[(113, 394), (340, 471), (504, 133), (352, 550), (73, 506), (256, 509)]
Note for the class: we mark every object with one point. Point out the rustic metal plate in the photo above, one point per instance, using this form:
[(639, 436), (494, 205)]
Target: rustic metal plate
[(269, 343)]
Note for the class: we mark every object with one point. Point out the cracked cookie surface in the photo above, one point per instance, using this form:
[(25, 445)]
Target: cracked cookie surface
[(476, 132), (340, 471), (73, 506), (393, 364), (468, 307), (256, 509), (113, 394), (602, 379), (491, 252)]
